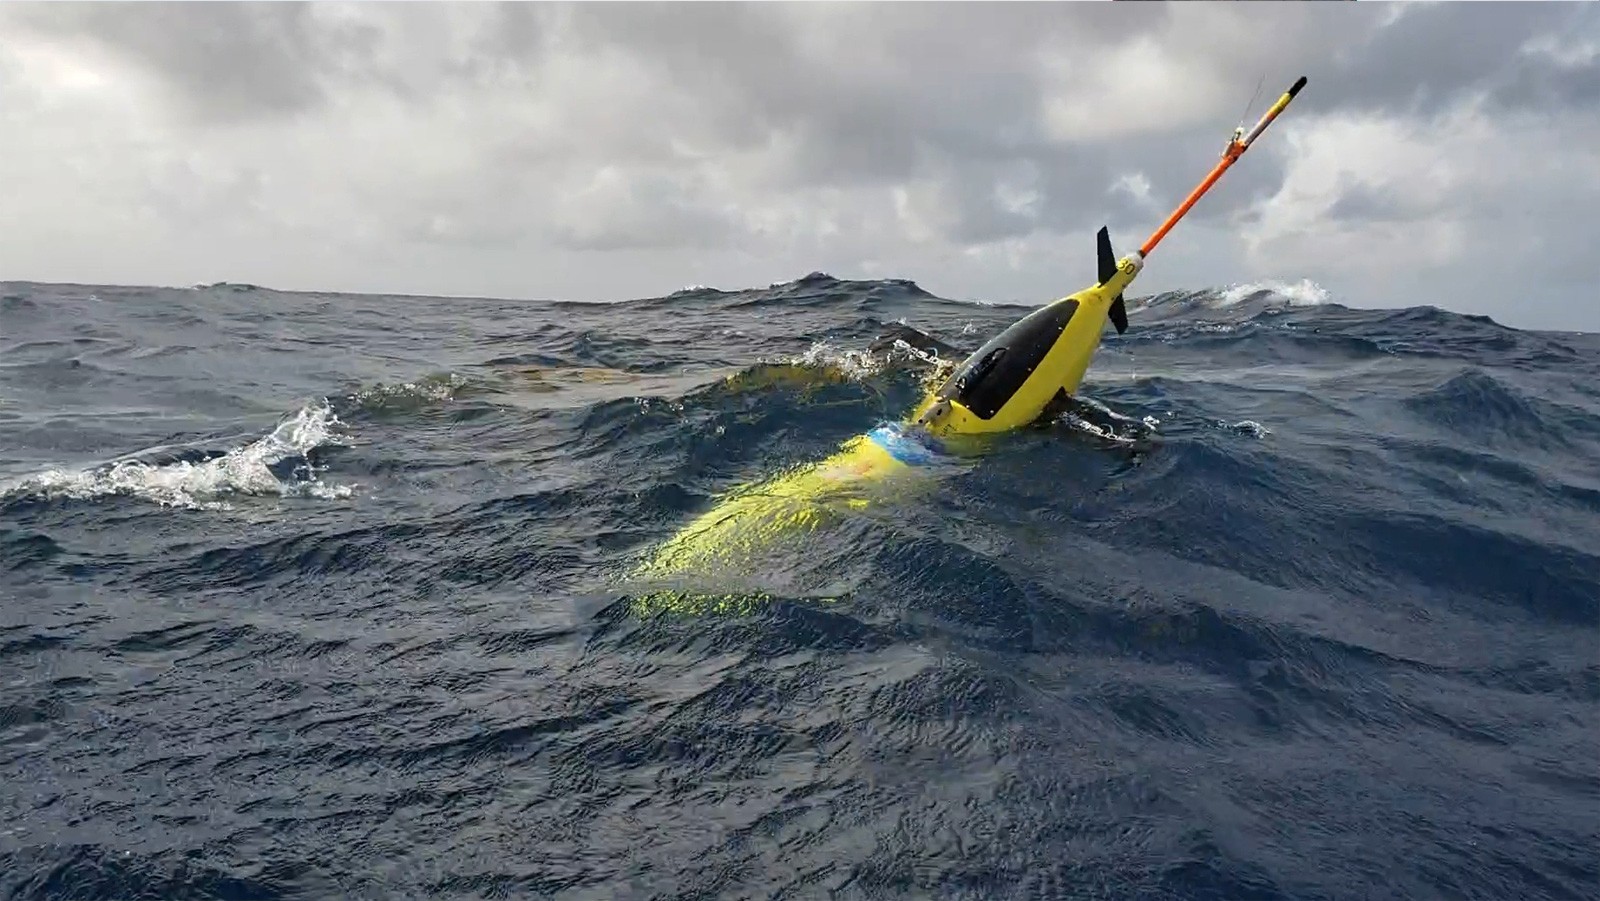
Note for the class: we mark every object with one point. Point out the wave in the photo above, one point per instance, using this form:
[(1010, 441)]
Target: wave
[(278, 464), (431, 389), (1277, 554), (1304, 293)]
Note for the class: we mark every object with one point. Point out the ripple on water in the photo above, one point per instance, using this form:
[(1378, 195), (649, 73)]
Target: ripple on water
[(311, 596)]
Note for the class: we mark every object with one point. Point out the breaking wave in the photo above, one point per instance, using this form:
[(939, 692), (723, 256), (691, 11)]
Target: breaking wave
[(1302, 293), (278, 464)]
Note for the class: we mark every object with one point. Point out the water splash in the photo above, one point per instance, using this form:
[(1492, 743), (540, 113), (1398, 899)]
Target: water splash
[(854, 364), (405, 396), (1303, 293), (1105, 432), (202, 484), (1246, 427), (859, 365)]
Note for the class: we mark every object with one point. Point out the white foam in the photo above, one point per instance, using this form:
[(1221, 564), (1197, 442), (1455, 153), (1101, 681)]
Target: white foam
[(925, 356), (241, 471), (856, 365), (435, 388), (1102, 408), (853, 364), (1303, 293), (1251, 427), (1084, 425)]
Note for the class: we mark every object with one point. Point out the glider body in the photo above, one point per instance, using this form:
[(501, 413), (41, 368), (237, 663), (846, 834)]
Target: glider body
[(1024, 374)]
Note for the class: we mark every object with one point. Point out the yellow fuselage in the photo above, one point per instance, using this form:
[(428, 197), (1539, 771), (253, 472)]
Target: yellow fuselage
[(1007, 384), (1011, 382), (1015, 378)]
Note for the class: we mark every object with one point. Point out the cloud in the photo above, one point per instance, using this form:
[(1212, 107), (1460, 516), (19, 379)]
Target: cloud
[(1451, 204), (601, 151), (217, 62)]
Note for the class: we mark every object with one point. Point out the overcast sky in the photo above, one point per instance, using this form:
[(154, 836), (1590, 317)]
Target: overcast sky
[(1443, 153)]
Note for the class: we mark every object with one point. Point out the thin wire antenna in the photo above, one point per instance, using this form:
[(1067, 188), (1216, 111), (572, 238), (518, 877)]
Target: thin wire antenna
[(1253, 97)]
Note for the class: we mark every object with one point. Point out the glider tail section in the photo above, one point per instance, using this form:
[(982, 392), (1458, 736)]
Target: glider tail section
[(1108, 268)]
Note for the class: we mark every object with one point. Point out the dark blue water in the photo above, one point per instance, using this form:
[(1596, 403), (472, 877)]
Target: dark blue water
[(323, 596)]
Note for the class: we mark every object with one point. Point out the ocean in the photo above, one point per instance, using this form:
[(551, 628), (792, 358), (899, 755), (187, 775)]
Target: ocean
[(327, 596)]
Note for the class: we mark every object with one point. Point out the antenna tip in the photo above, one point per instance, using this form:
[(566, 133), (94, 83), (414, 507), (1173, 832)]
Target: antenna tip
[(1297, 86)]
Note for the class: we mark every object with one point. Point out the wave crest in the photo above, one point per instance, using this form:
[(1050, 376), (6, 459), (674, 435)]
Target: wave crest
[(1303, 293), (250, 470), (407, 396)]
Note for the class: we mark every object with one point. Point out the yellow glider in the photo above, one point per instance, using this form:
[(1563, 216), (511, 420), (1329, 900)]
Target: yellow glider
[(1024, 373)]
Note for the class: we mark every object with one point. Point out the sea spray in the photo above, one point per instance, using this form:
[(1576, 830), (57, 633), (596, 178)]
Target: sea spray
[(202, 484)]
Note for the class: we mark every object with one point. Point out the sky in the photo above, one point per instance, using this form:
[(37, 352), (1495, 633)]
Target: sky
[(1442, 153)]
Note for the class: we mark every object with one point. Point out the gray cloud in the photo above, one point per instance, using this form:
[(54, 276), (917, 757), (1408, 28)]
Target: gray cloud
[(610, 150), (1430, 56), (221, 60)]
